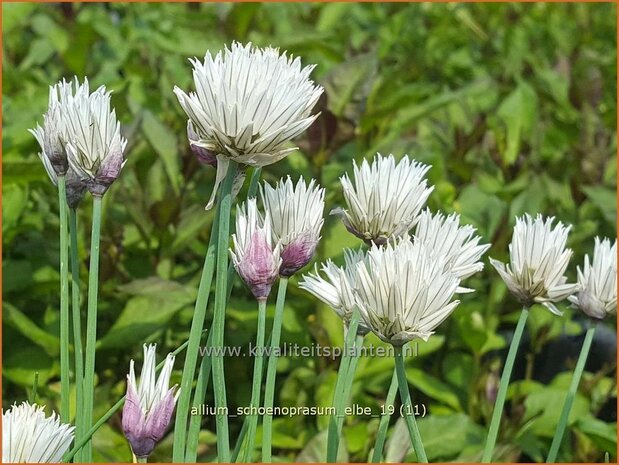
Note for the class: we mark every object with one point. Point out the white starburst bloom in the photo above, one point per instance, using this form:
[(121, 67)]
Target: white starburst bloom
[(597, 296), (296, 218), (248, 104), (149, 404), (337, 289), (255, 256), (52, 135), (28, 436), (385, 198), (93, 141), (403, 291), (538, 260), (458, 244), (52, 139)]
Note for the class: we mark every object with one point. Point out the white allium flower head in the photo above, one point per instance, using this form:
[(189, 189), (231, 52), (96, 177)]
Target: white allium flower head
[(337, 289), (94, 144), (150, 404), (384, 199), (597, 296), (296, 218), (52, 137), (404, 291), (538, 260), (458, 244), (28, 436), (248, 104), (255, 257)]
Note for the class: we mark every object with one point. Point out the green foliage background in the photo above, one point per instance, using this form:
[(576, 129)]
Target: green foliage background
[(513, 105)]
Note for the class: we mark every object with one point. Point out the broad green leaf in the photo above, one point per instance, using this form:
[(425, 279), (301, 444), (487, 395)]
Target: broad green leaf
[(165, 143), (518, 112), (30, 330)]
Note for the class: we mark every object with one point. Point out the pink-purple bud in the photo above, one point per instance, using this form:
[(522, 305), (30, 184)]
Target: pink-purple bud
[(204, 156), (107, 173), (297, 254), (148, 406), (257, 266), (144, 431), (76, 187)]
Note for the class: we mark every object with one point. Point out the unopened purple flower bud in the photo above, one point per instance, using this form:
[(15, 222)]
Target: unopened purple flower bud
[(76, 187), (297, 254), (107, 174), (148, 406), (296, 220), (204, 156), (94, 144), (254, 257)]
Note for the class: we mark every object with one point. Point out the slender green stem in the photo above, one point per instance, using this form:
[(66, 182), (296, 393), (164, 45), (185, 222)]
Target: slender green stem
[(191, 356), (141, 460), (571, 394), (77, 327), (347, 385), (253, 183), (79, 443), (269, 391), (257, 380), (500, 398), (333, 438), (240, 440), (409, 416), (221, 291), (244, 428), (381, 435), (65, 381), (195, 420), (91, 322)]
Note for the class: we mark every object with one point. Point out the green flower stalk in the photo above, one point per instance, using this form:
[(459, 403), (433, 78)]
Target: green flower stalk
[(335, 425), (191, 357), (65, 386), (269, 392), (538, 260), (94, 150), (257, 261), (381, 435), (221, 293), (191, 449), (77, 325)]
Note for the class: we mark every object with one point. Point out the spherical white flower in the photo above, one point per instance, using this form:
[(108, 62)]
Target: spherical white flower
[(538, 260), (255, 257), (30, 437), (403, 291), (597, 296), (385, 199), (459, 245), (248, 104), (337, 289), (93, 141), (150, 404), (295, 214)]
